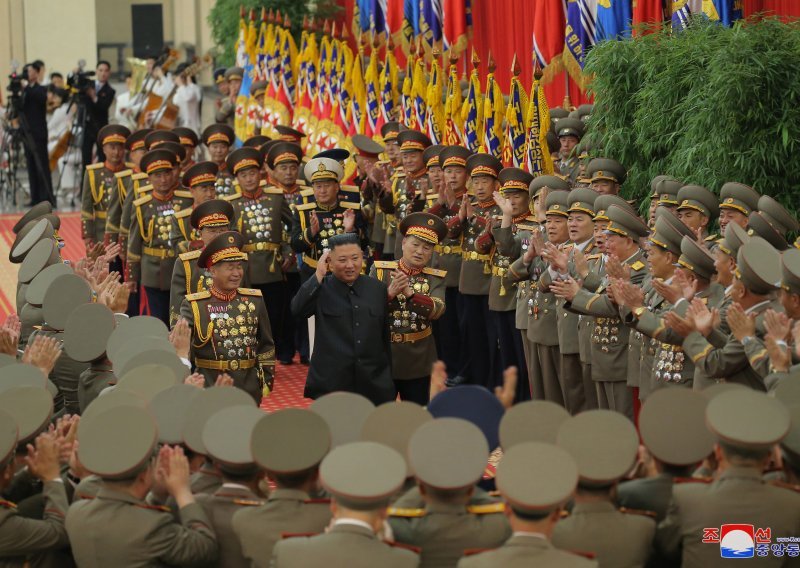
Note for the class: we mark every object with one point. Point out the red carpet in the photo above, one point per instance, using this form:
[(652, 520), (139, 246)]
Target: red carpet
[(290, 380)]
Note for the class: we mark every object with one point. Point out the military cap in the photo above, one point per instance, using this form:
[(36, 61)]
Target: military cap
[(258, 88), (788, 390), (581, 200), (607, 169), (412, 141), (585, 110), (536, 477), (8, 437), (321, 169), (42, 230), (393, 424), (345, 413), (186, 136), (716, 389), (390, 130), (226, 436), (34, 294), (64, 295), (790, 265), (244, 158), (86, 332), (113, 134), (431, 156), (665, 236), (170, 407), (24, 375), (758, 266), (110, 398), (746, 418), (306, 432), (226, 247), (144, 353), (758, 224), (204, 406), (31, 315), (366, 146), (570, 127), (738, 196), (700, 199), (777, 215), (39, 210), (129, 329), (474, 404), (6, 360), (696, 258), (30, 407), (456, 156), (672, 424), (136, 345), (655, 181), (556, 114), (212, 213), (362, 475), (147, 380), (625, 222), (235, 73), (791, 443), (256, 141), (219, 75), (289, 134), (118, 443), (157, 160), (338, 154), (604, 443), (734, 238), (136, 141), (548, 181), (557, 203), (218, 133), (479, 165), (448, 453), (667, 191), (178, 149), (554, 144), (265, 148), (157, 137), (425, 226), (514, 180), (531, 421), (282, 152), (201, 173)]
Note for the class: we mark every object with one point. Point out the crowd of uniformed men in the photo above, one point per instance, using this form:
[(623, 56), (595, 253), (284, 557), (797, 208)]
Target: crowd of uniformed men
[(122, 442)]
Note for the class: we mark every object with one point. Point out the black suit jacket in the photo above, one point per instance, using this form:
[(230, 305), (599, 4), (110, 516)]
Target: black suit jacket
[(34, 107), (352, 351), (97, 111)]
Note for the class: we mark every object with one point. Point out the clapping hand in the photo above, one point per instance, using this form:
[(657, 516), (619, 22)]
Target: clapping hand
[(398, 285), (704, 320), (557, 258), (566, 289), (742, 325), (42, 352), (349, 221)]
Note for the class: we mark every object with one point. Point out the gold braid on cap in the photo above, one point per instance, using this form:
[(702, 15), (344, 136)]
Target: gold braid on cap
[(213, 220), (618, 230), (138, 145), (230, 253), (686, 264), (456, 161), (424, 233), (729, 203), (159, 165), (513, 184), (245, 163), (218, 137), (286, 157), (202, 178), (412, 145), (477, 170), (111, 138)]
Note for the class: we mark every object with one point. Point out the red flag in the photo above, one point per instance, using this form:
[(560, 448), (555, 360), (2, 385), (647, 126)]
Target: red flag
[(548, 36), (457, 21), (647, 12)]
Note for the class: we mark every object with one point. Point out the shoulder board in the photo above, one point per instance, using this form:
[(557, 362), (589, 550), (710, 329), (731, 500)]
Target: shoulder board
[(140, 175), (432, 196), (486, 509), (248, 502), (161, 508), (192, 254), (651, 514), (406, 513), (594, 256), (96, 166), (678, 480), (584, 553), (250, 291), (302, 183), (385, 264), (306, 192), (589, 247), (202, 295), (435, 272), (563, 514), (183, 213), (318, 501), (144, 189), (232, 197), (273, 190), (710, 238), (474, 551), (184, 193), (784, 485), (297, 535), (130, 165), (527, 227), (348, 205), (638, 265), (350, 188), (494, 493), (142, 200), (393, 544), (306, 206), (7, 504), (123, 173)]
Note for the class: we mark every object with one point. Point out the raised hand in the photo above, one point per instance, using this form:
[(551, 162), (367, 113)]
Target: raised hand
[(224, 380), (503, 203), (322, 266), (780, 358), (13, 325), (8, 343), (349, 221), (438, 378), (314, 224), (42, 352), (778, 324), (42, 459), (670, 292), (557, 258), (566, 289), (508, 391), (704, 319), (541, 205), (740, 323), (689, 286), (398, 284), (616, 269), (679, 325), (627, 294), (180, 337), (581, 264)]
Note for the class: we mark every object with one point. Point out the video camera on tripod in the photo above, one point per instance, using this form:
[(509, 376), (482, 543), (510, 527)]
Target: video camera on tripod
[(79, 81), (15, 86)]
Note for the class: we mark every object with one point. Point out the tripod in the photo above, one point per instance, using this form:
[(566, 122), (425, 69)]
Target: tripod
[(75, 148), (10, 156)]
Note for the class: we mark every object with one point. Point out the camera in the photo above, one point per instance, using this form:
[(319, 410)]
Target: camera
[(15, 86), (80, 81)]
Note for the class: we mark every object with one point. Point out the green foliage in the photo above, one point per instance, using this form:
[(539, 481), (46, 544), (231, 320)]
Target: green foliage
[(707, 105), (224, 19)]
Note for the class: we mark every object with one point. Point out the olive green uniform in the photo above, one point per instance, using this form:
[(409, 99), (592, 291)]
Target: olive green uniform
[(220, 507), (116, 199), (22, 538), (525, 550), (99, 185)]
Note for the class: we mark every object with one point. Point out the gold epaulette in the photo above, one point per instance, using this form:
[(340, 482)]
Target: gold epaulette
[(142, 200), (123, 173), (144, 189), (563, 514), (348, 205), (306, 206), (184, 193), (306, 192), (350, 188), (130, 165), (392, 264), (638, 265), (434, 272), (406, 513), (202, 295), (250, 291), (248, 502), (568, 246), (272, 190), (528, 227), (594, 256), (710, 238), (96, 166), (191, 255), (183, 213), (231, 197), (651, 514), (139, 175), (678, 480), (486, 509), (161, 508)]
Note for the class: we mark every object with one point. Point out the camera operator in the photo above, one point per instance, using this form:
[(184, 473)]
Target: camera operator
[(34, 109), (99, 97)]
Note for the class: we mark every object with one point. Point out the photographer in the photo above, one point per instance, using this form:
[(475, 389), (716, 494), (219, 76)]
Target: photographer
[(99, 97), (34, 109)]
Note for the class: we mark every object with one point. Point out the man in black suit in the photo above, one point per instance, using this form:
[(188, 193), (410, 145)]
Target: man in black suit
[(352, 350), (99, 100), (34, 111)]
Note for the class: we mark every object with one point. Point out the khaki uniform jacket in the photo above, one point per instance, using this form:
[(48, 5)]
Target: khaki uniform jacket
[(640, 349), (116, 199), (343, 546), (386, 203), (92, 381), (408, 199), (507, 247), (448, 252), (738, 493), (220, 507), (116, 529), (647, 494), (542, 310), (21, 538), (287, 511), (99, 185), (476, 270), (138, 187), (65, 374), (615, 538), (522, 551), (585, 321), (205, 480)]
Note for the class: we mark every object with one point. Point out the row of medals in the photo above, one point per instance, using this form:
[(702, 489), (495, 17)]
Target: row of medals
[(606, 332), (224, 186), (407, 318), (329, 230), (670, 364), (258, 220), (164, 223), (236, 333)]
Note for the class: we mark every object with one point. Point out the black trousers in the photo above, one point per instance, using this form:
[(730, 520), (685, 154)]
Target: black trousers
[(512, 353), (449, 336), (414, 390), (274, 295), (158, 303), (481, 357), (294, 333), (39, 178)]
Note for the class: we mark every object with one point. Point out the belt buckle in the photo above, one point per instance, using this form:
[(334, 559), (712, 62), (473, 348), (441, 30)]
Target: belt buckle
[(446, 249), (473, 255), (397, 338), (233, 365)]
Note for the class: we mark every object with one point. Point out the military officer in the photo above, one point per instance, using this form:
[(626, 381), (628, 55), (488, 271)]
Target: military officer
[(368, 172), (289, 134), (226, 112), (199, 180), (416, 298), (746, 425), (283, 161), (289, 507), (777, 215), (446, 483), (151, 252), (359, 509), (218, 139), (100, 183), (698, 208), (208, 220), (536, 480), (606, 175), (667, 193), (389, 132), (736, 202), (604, 444), (410, 191), (189, 140), (116, 227), (569, 131)]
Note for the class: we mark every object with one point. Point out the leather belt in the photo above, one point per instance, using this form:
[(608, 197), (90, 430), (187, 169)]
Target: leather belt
[(161, 253), (231, 365), (100, 214), (449, 249), (473, 255), (410, 337), (251, 247)]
